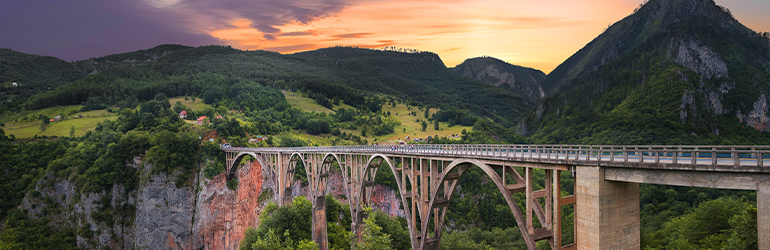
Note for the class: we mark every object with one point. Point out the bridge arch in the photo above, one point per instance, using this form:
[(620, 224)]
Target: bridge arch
[(236, 163), (364, 196), (462, 165)]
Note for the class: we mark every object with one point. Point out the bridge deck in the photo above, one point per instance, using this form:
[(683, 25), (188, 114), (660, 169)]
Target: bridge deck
[(754, 159)]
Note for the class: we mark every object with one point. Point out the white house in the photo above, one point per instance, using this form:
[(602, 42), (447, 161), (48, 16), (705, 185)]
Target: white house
[(15, 85)]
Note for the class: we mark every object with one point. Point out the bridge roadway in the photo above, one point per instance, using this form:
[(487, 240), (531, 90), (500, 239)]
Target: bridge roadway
[(607, 177)]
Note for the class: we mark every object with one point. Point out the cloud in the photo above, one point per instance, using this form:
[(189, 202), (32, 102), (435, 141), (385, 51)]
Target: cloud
[(265, 15), (453, 49), (292, 48), (299, 33), (74, 30), (353, 35)]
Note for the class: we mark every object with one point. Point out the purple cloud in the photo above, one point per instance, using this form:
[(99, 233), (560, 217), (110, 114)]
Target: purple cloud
[(74, 30), (265, 15)]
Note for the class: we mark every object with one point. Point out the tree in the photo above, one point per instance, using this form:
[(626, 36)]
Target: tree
[(161, 97), (435, 125), (72, 131), (427, 112), (318, 126), (424, 125), (372, 236)]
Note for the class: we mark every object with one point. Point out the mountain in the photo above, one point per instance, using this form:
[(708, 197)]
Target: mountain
[(128, 59), (517, 79), (420, 76), (337, 73), (35, 74), (682, 71)]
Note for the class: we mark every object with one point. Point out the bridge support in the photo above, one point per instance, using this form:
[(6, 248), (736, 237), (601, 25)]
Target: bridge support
[(763, 214), (607, 212), (319, 222)]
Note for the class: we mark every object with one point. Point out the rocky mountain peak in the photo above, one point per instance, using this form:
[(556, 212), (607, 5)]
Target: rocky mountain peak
[(517, 79)]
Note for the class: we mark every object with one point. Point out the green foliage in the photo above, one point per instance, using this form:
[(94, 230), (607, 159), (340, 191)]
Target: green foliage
[(373, 238), (723, 223), (171, 152), (19, 232), (293, 220), (318, 126), (477, 239), (232, 184), (270, 241), (396, 228), (292, 141)]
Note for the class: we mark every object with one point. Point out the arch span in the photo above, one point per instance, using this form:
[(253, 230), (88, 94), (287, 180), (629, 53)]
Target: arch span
[(366, 191), (236, 163), (463, 164)]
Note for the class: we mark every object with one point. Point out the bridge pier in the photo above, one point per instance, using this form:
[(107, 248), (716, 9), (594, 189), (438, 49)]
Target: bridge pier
[(763, 214), (319, 222), (607, 212)]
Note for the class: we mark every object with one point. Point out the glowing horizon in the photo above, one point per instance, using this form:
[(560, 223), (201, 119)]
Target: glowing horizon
[(539, 34)]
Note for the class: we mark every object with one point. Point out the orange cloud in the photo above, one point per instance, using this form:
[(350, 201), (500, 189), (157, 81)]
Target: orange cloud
[(539, 34)]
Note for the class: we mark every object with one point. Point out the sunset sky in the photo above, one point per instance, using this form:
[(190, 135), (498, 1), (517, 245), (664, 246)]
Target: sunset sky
[(537, 34)]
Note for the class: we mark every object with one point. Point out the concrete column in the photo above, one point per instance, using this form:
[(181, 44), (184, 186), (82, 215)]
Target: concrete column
[(357, 227), (763, 214), (607, 212), (319, 223)]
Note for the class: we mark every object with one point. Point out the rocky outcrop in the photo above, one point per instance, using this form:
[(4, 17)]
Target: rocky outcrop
[(757, 118), (698, 58), (163, 214), (520, 80), (222, 215)]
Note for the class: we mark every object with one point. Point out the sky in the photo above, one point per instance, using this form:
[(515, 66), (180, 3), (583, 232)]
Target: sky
[(537, 34)]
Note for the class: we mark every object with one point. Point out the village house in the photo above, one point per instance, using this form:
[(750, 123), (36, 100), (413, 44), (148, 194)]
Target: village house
[(183, 114), (201, 120)]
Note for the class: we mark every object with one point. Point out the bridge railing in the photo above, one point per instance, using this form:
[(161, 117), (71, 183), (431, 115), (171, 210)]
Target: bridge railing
[(691, 155)]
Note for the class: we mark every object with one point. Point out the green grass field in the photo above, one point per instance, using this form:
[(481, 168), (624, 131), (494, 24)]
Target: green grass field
[(33, 116), (60, 128), (296, 100), (192, 105), (413, 127)]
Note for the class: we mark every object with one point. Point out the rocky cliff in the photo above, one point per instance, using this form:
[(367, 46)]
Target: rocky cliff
[(160, 215), (519, 80)]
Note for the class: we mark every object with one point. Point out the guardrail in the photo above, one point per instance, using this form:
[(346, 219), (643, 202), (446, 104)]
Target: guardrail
[(692, 155)]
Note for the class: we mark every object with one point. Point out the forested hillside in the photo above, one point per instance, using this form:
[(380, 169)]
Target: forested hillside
[(35, 74), (700, 78), (335, 73)]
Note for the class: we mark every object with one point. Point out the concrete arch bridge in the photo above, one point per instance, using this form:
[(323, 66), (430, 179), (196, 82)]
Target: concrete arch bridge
[(606, 197)]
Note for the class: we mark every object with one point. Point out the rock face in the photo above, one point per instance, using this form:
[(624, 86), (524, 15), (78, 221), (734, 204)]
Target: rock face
[(171, 217), (163, 215), (222, 215), (757, 118), (520, 80), (699, 58)]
